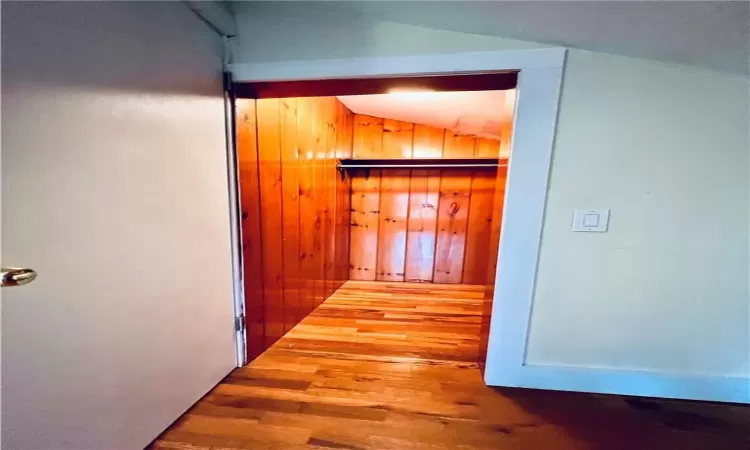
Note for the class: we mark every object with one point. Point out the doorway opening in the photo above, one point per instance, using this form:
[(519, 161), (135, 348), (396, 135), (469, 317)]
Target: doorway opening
[(372, 211)]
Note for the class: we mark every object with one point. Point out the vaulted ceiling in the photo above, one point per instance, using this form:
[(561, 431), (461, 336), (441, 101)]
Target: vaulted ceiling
[(478, 113)]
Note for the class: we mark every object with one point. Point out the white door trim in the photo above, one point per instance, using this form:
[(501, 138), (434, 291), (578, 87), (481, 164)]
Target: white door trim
[(395, 66), (233, 182), (222, 23), (539, 90)]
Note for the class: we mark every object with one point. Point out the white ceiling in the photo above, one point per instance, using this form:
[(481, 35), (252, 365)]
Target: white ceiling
[(478, 113), (706, 33)]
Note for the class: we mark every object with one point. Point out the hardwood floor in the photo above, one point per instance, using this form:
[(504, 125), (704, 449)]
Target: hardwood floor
[(393, 366)]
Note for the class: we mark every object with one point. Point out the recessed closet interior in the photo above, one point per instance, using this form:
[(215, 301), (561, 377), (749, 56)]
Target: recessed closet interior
[(373, 181)]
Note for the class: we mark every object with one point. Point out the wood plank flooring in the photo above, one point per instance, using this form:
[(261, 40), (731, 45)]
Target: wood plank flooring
[(392, 366)]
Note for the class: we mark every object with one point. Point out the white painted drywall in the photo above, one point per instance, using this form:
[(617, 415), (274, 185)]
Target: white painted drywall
[(287, 31), (665, 146), (114, 188), (711, 34)]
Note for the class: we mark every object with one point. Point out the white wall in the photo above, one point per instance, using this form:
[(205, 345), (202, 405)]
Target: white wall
[(286, 31), (665, 146)]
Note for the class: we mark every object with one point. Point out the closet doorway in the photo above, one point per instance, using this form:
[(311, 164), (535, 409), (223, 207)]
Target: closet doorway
[(372, 211)]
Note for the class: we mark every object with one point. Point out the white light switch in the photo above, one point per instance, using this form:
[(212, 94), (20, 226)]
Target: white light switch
[(590, 220), (593, 220)]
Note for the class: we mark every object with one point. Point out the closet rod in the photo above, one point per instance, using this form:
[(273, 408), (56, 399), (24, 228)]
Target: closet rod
[(414, 166)]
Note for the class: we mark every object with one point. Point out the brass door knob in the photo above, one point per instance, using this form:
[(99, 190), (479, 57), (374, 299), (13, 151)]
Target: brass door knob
[(14, 276)]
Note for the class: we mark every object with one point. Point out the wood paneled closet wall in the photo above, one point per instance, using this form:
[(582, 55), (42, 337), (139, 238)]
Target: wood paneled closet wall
[(300, 217), (431, 225), (295, 209)]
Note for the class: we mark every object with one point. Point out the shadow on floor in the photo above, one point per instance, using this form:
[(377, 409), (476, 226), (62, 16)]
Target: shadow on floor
[(613, 422)]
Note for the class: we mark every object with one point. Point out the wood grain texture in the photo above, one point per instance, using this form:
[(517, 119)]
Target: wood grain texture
[(365, 219), (319, 132), (450, 243), (428, 142), (247, 154), (394, 210), (344, 135), (288, 183), (487, 148), (293, 311), (269, 157), (307, 204), (479, 228), (422, 223), (506, 141), (498, 203), (398, 138), (330, 105), (423, 204), (365, 199), (392, 366), (368, 137), (458, 145), (410, 251)]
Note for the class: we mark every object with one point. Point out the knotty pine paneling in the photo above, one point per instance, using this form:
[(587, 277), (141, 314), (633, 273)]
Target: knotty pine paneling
[(394, 209), (398, 138), (318, 189), (424, 192), (367, 139), (269, 159), (420, 225), (453, 219), (365, 218), (479, 228), (294, 236), (247, 155), (307, 205), (294, 203), (453, 211), (428, 142), (344, 137), (293, 311), (458, 146), (486, 148), (494, 248), (329, 234)]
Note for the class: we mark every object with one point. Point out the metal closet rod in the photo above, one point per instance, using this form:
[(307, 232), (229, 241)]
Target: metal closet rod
[(410, 166)]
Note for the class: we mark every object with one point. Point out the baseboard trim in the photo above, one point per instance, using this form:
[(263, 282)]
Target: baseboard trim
[(624, 382)]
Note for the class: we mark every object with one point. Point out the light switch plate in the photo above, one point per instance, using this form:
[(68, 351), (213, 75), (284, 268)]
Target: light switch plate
[(591, 220)]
